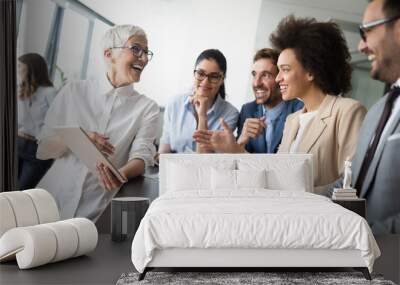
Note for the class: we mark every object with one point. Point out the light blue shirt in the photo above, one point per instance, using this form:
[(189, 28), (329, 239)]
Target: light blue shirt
[(180, 122), (271, 116)]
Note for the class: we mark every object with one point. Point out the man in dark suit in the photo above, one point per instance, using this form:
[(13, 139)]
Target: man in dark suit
[(376, 163), (261, 121)]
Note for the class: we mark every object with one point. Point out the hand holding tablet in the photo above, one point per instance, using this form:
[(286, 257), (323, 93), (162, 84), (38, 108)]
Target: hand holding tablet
[(107, 178), (92, 149), (101, 143)]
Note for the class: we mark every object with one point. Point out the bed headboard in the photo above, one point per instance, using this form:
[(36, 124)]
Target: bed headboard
[(280, 163)]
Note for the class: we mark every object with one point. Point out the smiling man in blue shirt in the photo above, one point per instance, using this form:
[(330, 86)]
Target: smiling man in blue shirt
[(261, 122)]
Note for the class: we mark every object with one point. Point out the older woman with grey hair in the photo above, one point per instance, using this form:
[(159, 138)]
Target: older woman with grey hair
[(119, 120)]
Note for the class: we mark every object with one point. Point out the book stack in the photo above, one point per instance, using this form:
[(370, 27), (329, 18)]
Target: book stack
[(344, 194)]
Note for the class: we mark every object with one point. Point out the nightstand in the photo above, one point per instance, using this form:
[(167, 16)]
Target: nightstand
[(358, 205)]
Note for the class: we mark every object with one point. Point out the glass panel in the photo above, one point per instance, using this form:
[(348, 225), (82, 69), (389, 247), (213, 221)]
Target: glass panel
[(71, 48), (36, 19), (96, 65)]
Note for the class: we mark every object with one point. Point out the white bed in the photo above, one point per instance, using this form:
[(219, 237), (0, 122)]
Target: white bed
[(220, 211)]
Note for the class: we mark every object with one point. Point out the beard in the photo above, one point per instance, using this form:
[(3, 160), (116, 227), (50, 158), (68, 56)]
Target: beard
[(266, 101), (388, 67), (269, 100), (386, 71)]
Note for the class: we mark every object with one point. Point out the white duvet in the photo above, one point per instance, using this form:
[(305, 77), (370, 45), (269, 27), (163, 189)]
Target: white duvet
[(253, 218)]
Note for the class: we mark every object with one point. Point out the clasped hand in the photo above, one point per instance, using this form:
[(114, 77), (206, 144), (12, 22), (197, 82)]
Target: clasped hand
[(219, 141), (252, 128)]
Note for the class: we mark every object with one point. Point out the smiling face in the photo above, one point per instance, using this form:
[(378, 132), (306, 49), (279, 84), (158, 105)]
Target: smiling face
[(382, 45), (205, 87), (125, 67), (265, 88), (294, 81)]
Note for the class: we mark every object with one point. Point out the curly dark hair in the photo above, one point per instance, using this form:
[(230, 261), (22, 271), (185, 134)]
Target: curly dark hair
[(321, 49)]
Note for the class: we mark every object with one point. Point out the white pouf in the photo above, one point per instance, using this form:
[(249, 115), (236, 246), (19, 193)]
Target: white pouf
[(40, 244)]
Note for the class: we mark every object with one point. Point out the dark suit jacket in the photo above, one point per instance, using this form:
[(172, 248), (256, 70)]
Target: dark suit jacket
[(381, 186), (254, 110)]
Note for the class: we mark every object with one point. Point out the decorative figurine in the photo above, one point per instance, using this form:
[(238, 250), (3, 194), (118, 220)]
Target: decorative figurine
[(347, 174), (347, 192)]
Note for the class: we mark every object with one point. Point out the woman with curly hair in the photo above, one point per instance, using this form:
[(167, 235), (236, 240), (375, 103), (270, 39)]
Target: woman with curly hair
[(314, 67), (35, 94)]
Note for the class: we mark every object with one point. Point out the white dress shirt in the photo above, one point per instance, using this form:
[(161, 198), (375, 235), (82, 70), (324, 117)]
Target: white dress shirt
[(304, 120), (128, 118), (31, 111)]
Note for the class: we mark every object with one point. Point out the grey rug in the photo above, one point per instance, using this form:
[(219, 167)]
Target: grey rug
[(270, 278)]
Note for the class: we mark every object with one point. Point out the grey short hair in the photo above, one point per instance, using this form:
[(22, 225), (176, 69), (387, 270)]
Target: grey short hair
[(118, 35)]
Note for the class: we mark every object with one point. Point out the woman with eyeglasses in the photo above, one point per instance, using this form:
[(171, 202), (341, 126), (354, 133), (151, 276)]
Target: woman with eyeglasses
[(35, 94), (199, 109), (314, 66), (120, 121)]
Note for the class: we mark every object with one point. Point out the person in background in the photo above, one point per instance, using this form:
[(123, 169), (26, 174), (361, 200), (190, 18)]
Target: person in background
[(35, 94), (199, 109), (376, 163), (261, 121), (314, 66), (119, 120)]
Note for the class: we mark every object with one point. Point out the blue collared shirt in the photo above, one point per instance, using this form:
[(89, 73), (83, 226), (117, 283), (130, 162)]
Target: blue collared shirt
[(271, 116), (180, 122), (269, 140)]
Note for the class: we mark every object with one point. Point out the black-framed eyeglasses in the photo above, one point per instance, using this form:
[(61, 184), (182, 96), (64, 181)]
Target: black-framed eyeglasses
[(364, 28), (212, 77), (139, 51)]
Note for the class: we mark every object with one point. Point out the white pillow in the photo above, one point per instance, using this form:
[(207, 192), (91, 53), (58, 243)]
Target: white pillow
[(294, 179), (185, 175), (281, 174), (222, 179), (251, 178)]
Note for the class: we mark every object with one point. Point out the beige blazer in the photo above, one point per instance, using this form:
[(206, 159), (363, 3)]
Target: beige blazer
[(330, 137)]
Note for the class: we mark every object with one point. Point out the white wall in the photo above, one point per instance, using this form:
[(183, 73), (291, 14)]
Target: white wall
[(272, 11), (178, 30)]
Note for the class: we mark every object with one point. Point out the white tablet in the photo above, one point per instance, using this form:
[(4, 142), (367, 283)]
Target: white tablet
[(81, 145)]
